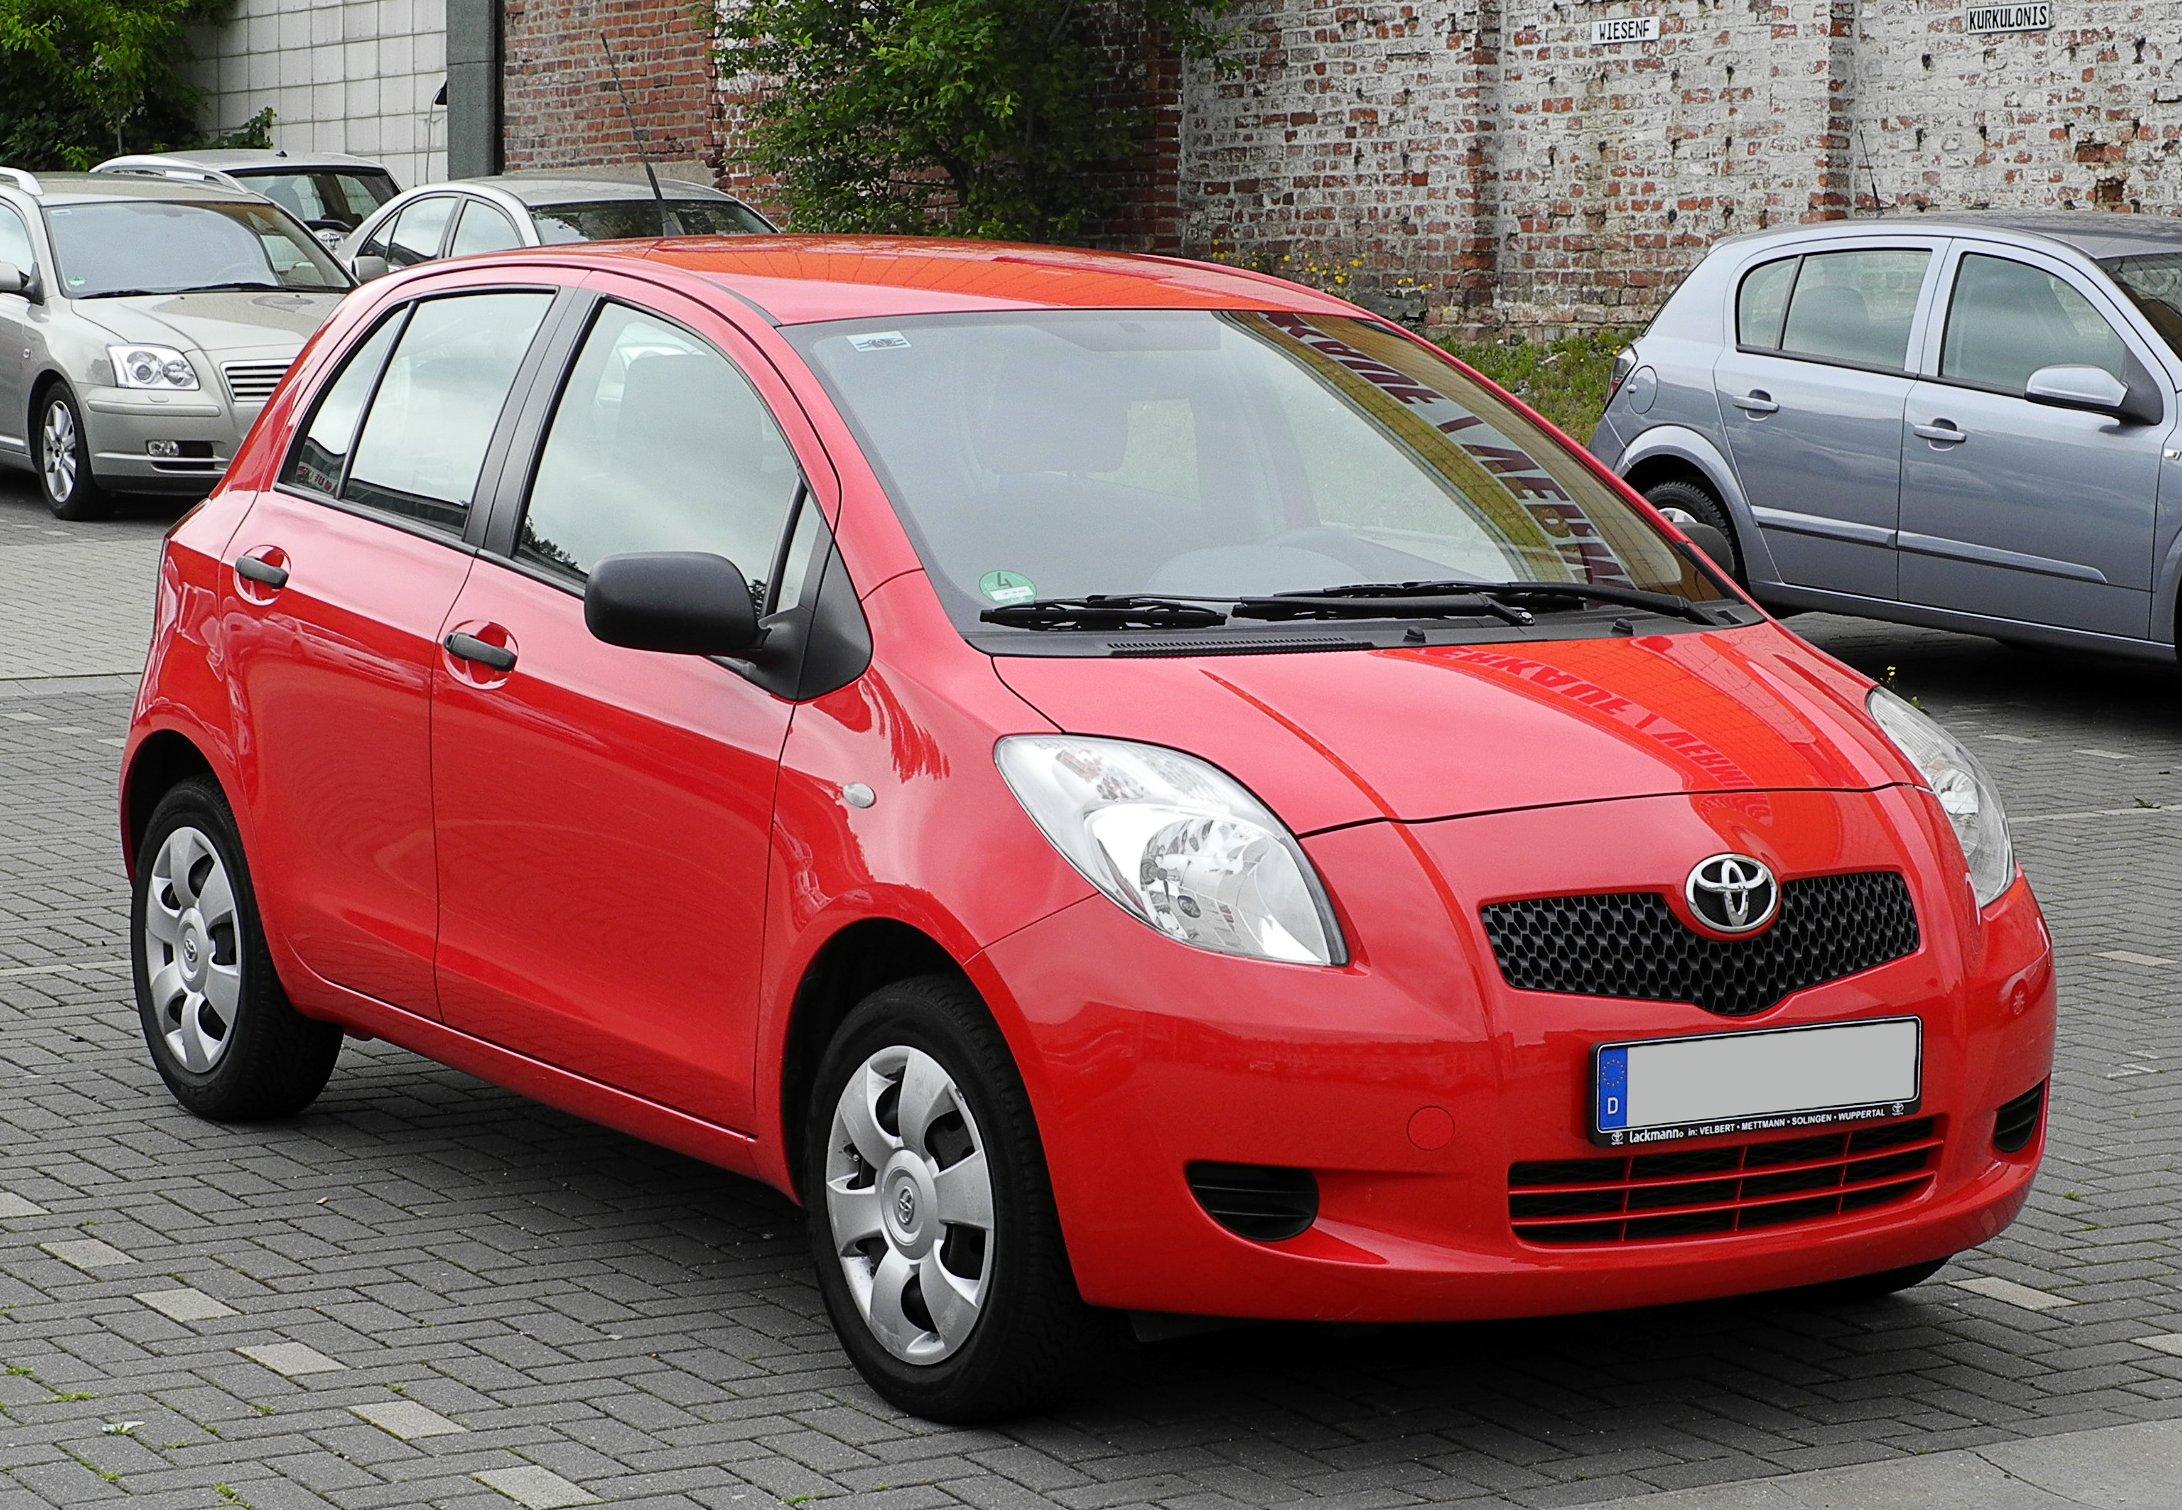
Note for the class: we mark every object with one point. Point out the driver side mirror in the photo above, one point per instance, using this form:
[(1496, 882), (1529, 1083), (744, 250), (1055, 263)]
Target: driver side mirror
[(2092, 389), (679, 602), (365, 267), (23, 281)]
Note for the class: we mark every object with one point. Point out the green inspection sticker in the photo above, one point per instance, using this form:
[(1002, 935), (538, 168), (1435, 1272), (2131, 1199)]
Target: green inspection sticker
[(1007, 587)]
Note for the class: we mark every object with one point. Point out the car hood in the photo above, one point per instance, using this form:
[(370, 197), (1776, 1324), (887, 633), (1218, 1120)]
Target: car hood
[(1450, 731), (216, 324)]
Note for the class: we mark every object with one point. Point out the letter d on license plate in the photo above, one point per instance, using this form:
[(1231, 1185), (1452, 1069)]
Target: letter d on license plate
[(1659, 1089)]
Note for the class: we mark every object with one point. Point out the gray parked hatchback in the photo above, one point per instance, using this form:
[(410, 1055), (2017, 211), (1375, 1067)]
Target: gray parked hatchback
[(1965, 421)]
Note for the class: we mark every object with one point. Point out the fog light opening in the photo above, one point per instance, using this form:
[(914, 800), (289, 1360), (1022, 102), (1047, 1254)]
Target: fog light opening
[(166, 449), (2015, 1125), (1262, 1202)]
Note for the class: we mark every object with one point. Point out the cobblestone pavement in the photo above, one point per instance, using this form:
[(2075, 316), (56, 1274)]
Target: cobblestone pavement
[(429, 1291)]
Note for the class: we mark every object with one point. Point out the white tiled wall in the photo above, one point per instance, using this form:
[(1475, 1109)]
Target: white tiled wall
[(347, 76)]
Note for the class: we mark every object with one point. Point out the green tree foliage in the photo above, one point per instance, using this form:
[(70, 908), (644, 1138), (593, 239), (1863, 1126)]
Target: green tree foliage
[(957, 117), (82, 80)]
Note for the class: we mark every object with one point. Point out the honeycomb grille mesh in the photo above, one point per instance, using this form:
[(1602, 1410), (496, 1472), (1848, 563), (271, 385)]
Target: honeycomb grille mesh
[(1631, 945)]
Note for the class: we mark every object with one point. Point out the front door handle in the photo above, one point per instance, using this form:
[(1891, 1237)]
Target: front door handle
[(469, 647), (1941, 432), (1756, 401), (252, 569)]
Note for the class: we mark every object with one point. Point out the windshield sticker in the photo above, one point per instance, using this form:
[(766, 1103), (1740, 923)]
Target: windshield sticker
[(1004, 586), (879, 340), (1489, 468)]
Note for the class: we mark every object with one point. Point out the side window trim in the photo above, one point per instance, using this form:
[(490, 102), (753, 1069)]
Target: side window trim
[(526, 372), (395, 319)]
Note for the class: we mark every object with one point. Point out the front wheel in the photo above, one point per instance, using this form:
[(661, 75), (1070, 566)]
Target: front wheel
[(932, 1222), (221, 1030), (64, 459)]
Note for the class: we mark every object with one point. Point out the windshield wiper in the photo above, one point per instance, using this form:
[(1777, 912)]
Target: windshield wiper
[(1423, 599), (228, 288), (196, 288), (1104, 611)]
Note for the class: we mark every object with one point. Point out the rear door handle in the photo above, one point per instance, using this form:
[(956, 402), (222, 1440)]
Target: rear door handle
[(251, 569), (1943, 432), (1756, 401), (469, 647)]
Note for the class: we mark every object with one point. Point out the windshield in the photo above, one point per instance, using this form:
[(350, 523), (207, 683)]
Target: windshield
[(144, 246), (322, 197), (2154, 284), (633, 219), (1185, 453)]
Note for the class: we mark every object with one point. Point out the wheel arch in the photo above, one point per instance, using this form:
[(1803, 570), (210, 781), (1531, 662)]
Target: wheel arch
[(164, 760), (1676, 452), (849, 966)]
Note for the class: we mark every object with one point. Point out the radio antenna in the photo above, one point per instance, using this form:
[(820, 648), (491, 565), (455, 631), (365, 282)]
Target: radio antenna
[(636, 135)]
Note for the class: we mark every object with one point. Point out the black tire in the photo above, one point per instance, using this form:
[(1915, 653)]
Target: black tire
[(1870, 1287), (1032, 1330), (268, 1059), (1700, 505), (71, 492)]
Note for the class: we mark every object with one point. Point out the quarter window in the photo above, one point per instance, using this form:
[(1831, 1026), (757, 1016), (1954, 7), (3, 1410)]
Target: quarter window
[(1763, 303), (658, 444), (320, 458), (2008, 319), (423, 441), (1855, 307)]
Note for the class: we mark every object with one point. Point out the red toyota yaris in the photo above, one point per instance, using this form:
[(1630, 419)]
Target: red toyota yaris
[(1122, 785)]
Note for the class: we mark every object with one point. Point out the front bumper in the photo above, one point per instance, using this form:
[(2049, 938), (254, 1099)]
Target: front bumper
[(120, 421), (1143, 1056)]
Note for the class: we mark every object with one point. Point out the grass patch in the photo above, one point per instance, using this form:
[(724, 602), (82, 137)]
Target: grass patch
[(1564, 380)]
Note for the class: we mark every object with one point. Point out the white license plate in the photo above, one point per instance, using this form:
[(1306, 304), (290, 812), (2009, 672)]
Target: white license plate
[(1659, 1089)]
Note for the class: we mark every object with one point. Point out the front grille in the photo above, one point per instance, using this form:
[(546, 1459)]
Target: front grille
[(1631, 945), (2017, 1122), (253, 382), (1706, 1192), (1262, 1202)]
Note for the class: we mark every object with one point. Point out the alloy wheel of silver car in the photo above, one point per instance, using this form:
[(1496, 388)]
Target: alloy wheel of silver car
[(57, 450), (909, 1201), (191, 937)]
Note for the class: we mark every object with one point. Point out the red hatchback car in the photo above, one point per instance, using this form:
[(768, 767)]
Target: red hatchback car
[(1121, 785)]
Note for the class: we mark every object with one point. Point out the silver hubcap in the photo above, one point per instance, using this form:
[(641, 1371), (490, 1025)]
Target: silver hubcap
[(909, 1201), (190, 949), (58, 451)]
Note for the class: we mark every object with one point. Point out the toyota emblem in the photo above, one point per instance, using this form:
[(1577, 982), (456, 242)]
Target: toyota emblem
[(1733, 893), (905, 1206)]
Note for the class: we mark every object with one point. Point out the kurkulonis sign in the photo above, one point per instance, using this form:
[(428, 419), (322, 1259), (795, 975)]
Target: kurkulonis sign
[(2036, 16)]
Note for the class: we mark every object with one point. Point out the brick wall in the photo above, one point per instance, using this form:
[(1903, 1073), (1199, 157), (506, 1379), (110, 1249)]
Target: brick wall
[(559, 105)]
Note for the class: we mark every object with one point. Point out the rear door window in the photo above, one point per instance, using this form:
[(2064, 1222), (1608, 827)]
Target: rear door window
[(1855, 307), (437, 404), (2007, 319)]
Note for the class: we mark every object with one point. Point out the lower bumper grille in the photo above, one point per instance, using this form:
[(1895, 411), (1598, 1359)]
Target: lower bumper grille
[(1262, 1202), (1708, 1192), (2016, 1123)]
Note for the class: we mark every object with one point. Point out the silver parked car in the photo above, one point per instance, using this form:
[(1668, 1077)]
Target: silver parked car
[(1963, 421), (144, 322), (473, 215), (331, 192)]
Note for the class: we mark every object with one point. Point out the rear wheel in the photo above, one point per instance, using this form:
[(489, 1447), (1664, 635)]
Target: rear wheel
[(221, 1030), (932, 1221), (64, 459), (1694, 502)]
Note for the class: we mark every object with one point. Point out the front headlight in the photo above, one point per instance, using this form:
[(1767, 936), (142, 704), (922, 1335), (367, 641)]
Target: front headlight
[(151, 367), (1177, 842), (1966, 793)]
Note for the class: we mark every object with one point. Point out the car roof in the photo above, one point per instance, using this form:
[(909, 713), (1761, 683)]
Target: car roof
[(255, 160), (99, 188), (797, 280), (563, 188), (2098, 234)]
